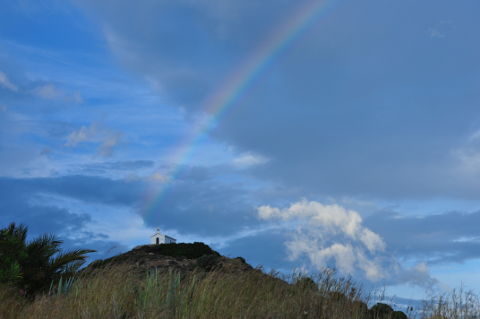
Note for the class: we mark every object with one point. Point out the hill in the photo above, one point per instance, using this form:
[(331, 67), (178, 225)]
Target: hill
[(177, 257), (193, 281)]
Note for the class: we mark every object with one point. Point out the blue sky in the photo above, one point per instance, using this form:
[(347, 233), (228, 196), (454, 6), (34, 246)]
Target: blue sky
[(356, 146)]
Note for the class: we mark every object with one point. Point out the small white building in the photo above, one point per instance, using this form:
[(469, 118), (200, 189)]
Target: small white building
[(159, 238)]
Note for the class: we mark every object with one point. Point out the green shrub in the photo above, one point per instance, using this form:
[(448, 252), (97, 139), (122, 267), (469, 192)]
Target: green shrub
[(208, 262), (182, 250), (384, 311)]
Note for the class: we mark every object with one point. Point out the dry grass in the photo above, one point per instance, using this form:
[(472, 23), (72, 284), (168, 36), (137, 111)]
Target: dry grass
[(458, 304), (120, 294)]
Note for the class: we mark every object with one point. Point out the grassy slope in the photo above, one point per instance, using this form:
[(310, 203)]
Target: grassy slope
[(217, 288), (117, 293)]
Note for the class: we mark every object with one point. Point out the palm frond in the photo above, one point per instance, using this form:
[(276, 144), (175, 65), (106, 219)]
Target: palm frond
[(43, 247), (62, 261), (33, 265), (19, 232)]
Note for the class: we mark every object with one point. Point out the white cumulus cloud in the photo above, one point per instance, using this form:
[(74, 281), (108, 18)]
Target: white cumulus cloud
[(333, 219), (318, 224), (332, 234)]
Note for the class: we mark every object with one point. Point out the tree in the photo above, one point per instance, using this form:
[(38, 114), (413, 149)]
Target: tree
[(32, 266)]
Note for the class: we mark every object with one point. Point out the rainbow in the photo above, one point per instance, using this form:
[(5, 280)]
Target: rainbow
[(235, 87)]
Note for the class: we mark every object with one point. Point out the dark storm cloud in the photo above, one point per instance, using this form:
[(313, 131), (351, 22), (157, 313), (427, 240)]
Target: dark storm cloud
[(355, 106), (203, 207), (17, 206), (194, 204), (86, 188), (199, 41), (441, 238)]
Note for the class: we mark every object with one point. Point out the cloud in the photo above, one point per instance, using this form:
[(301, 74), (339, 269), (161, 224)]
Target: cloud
[(109, 142), (195, 203), (95, 133), (333, 219), (6, 83), (325, 222), (83, 134), (331, 234), (119, 166), (47, 92), (18, 204), (440, 30), (450, 237), (159, 177), (333, 127), (51, 92), (467, 156), (247, 160), (90, 189), (24, 201)]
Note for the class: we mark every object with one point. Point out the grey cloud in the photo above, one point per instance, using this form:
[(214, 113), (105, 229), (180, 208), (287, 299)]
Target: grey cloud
[(337, 112), (86, 188), (17, 206), (137, 33), (441, 238), (201, 207), (191, 204), (119, 165), (22, 202)]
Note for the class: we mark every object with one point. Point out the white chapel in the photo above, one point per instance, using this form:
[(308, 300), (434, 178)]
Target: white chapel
[(159, 238)]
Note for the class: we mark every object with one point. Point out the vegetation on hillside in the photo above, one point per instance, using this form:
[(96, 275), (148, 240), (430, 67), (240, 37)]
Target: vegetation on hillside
[(118, 293), (180, 281), (33, 266)]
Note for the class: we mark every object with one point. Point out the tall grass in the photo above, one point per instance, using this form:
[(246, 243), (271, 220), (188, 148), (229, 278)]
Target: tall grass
[(457, 304), (118, 293), (11, 303), (121, 293)]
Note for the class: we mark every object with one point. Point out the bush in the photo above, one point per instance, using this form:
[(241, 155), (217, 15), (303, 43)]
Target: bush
[(384, 311), (208, 262), (183, 250)]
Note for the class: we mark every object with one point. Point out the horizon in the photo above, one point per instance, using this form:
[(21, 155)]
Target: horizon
[(296, 134)]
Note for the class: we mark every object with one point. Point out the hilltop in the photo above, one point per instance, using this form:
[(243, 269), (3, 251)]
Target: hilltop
[(177, 257)]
